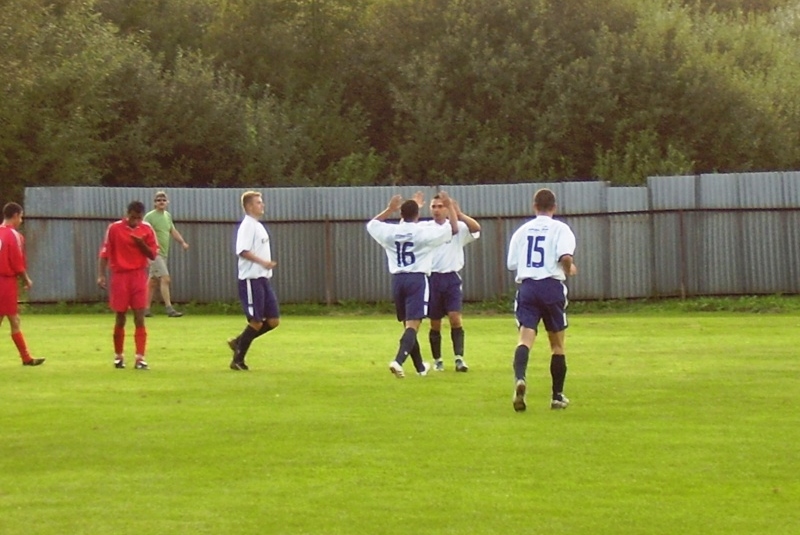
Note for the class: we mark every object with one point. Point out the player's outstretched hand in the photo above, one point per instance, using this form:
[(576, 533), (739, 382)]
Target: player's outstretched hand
[(446, 200), (419, 198), (395, 202)]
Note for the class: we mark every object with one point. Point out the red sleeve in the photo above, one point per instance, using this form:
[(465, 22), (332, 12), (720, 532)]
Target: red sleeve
[(104, 246), (16, 252), (23, 257), (12, 252)]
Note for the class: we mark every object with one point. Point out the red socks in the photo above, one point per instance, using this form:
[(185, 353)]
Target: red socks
[(22, 347), (141, 340), (119, 340), (139, 336)]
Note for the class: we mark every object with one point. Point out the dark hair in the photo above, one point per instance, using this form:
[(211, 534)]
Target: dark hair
[(544, 200), (11, 209), (136, 207), (409, 210)]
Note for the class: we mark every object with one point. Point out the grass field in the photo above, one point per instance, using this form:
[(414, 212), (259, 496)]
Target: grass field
[(679, 423)]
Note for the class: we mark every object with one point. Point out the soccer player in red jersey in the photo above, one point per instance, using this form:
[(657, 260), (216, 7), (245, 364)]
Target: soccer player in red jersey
[(128, 246), (13, 266)]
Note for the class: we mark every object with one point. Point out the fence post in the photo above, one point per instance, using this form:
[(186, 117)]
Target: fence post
[(329, 263)]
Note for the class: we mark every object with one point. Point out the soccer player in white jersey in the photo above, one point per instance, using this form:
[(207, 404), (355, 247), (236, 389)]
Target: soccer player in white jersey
[(255, 264), (447, 295), (409, 250), (541, 252)]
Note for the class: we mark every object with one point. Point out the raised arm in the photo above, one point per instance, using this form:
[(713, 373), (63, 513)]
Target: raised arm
[(472, 225), (392, 207), (452, 212)]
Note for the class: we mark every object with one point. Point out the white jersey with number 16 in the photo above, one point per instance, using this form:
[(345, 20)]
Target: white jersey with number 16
[(409, 246)]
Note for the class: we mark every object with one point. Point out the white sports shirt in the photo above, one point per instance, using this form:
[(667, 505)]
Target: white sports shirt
[(449, 257), (409, 246), (253, 237), (537, 246)]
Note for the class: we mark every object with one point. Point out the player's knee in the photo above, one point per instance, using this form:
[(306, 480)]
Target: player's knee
[(273, 322)]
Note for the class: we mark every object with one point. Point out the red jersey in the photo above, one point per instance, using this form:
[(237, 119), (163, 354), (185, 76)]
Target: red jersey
[(12, 252), (121, 251)]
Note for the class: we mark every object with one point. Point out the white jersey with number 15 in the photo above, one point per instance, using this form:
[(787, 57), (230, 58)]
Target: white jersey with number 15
[(536, 248)]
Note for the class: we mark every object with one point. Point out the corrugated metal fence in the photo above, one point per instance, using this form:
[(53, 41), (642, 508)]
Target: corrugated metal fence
[(677, 236)]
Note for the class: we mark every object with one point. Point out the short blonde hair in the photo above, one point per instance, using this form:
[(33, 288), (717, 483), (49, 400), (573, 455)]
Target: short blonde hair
[(248, 196)]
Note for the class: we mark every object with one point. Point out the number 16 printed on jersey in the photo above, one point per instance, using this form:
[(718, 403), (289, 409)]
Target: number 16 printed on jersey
[(405, 253)]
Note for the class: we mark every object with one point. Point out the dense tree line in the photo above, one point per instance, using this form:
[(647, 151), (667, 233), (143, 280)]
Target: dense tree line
[(358, 92)]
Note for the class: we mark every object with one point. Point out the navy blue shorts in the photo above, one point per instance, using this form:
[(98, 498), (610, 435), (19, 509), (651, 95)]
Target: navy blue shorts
[(410, 294), (259, 301), (544, 300), (446, 294)]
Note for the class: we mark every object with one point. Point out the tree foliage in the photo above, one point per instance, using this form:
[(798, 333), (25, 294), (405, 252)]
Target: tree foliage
[(342, 92)]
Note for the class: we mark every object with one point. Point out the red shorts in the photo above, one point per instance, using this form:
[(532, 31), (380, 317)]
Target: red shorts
[(8, 296), (128, 289)]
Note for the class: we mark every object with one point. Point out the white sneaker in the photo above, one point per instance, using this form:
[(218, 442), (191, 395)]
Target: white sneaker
[(426, 369), (519, 396), (396, 369), (438, 365), (461, 365), (562, 403)]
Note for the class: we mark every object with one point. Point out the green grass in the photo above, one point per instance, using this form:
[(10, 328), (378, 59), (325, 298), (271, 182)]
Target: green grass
[(680, 423), (777, 303)]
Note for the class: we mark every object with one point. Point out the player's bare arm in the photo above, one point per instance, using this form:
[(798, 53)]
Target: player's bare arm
[(570, 269), (101, 272), (26, 280), (247, 255), (472, 225), (392, 207), (452, 213)]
